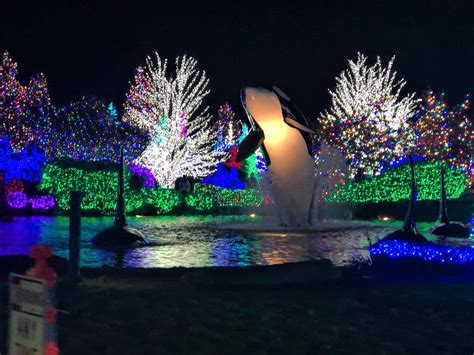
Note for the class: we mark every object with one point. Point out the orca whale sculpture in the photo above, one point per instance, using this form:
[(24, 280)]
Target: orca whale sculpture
[(283, 134)]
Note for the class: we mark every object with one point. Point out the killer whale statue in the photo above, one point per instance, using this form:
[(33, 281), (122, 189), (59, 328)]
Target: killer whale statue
[(283, 134)]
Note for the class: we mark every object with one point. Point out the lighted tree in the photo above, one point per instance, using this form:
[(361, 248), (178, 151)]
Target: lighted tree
[(228, 128), (169, 107), (112, 111), (461, 135), (373, 124), (24, 110), (88, 130), (445, 137), (367, 115)]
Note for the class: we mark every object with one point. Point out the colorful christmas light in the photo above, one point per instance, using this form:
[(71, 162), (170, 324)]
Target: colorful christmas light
[(428, 252), (88, 130), (25, 165), (444, 134), (169, 108), (45, 202), (17, 199), (368, 115), (225, 177), (24, 110), (100, 192), (394, 185), (228, 128), (145, 173)]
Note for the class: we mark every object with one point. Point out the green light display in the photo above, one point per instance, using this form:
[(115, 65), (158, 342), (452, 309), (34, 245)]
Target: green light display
[(164, 200), (394, 185), (100, 189), (201, 199), (242, 198)]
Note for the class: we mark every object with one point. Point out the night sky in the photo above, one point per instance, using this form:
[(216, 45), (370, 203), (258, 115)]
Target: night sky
[(93, 49)]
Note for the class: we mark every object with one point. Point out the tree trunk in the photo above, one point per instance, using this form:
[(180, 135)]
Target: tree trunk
[(315, 201), (410, 222), (443, 212), (120, 220)]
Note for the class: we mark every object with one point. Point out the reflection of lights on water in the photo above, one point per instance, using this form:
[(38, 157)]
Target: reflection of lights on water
[(139, 216), (385, 218), (252, 215), (283, 235)]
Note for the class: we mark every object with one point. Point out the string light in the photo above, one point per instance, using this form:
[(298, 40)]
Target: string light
[(444, 135), (88, 130), (228, 129), (226, 178), (24, 165), (368, 116), (100, 193), (141, 171), (24, 109), (19, 200), (428, 252), (16, 199), (169, 108), (393, 185)]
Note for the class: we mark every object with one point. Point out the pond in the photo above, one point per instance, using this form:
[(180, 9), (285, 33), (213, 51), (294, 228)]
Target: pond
[(196, 241)]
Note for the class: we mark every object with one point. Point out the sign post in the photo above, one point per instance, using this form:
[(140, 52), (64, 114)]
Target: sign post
[(32, 308), (27, 306)]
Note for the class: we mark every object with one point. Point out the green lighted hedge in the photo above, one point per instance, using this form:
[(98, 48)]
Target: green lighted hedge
[(100, 187), (394, 185)]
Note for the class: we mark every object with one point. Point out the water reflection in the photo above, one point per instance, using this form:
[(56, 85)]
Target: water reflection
[(202, 241)]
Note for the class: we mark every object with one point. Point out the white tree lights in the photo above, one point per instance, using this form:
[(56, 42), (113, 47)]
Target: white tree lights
[(367, 119), (169, 107)]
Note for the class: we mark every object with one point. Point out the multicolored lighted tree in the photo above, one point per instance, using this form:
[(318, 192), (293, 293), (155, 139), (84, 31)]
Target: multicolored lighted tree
[(89, 130), (367, 115), (445, 137), (372, 125), (228, 128), (24, 110), (169, 108)]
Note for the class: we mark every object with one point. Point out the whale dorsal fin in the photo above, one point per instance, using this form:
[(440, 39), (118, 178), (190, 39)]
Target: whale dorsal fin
[(292, 115), (295, 124)]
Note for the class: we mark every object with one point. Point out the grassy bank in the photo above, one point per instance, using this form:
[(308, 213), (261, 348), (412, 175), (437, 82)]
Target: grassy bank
[(110, 314)]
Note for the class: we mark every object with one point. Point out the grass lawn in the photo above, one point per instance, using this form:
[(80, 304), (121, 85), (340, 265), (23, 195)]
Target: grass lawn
[(113, 315)]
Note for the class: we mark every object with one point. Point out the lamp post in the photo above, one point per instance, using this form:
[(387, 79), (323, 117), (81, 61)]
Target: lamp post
[(120, 235)]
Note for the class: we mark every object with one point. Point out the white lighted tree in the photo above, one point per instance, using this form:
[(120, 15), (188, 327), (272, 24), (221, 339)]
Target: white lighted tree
[(368, 116), (169, 106)]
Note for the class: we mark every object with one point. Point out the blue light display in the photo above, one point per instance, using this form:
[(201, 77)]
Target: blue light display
[(396, 249), (225, 178), (402, 161), (25, 165)]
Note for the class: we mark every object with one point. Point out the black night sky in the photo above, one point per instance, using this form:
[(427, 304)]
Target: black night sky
[(93, 49)]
